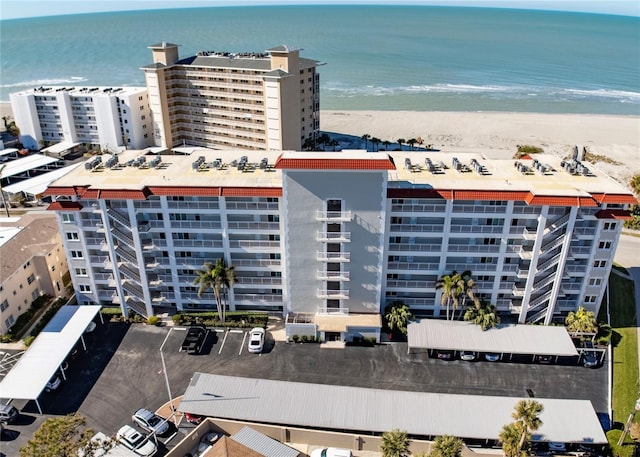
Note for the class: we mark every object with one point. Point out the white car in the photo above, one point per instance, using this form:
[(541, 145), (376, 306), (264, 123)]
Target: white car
[(53, 384), (137, 442), (331, 452), (468, 356), (491, 357), (90, 328), (256, 340), (150, 421)]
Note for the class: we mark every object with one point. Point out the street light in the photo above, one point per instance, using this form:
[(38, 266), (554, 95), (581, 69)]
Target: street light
[(166, 378)]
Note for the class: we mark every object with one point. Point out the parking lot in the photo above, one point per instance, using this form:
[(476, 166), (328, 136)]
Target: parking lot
[(122, 371)]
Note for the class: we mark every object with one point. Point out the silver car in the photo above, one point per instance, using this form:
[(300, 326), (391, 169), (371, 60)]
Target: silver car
[(134, 440), (150, 421)]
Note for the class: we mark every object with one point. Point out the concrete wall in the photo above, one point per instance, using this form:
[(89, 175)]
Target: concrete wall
[(25, 114), (305, 193)]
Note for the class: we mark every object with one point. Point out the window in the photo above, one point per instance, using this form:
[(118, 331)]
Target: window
[(31, 278), (604, 245), (53, 268), (85, 288), (9, 321), (599, 264), (610, 225), (73, 236), (68, 218), (35, 294), (77, 254), (81, 271), (4, 305), (595, 281), (26, 265), (590, 299)]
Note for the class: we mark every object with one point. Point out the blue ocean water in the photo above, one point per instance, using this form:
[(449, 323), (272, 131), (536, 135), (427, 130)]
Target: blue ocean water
[(377, 57)]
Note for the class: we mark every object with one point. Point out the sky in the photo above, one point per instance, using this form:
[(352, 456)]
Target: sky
[(13, 9)]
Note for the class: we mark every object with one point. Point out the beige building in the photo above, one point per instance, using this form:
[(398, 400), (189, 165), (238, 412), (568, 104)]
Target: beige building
[(221, 100), (33, 264)]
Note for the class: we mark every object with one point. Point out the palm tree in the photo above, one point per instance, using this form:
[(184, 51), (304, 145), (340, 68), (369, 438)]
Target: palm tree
[(581, 321), (400, 141), (468, 288), (527, 413), (375, 142), (386, 144), (394, 443), (397, 315), (484, 315), (411, 142), (447, 446), (365, 137), (450, 285), (510, 437), (218, 277)]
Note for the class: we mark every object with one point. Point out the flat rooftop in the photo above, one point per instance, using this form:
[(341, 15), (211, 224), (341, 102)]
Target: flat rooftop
[(83, 91), (376, 410), (475, 173)]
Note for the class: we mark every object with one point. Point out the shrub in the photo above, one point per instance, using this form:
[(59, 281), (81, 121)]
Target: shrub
[(153, 320), (528, 149), (111, 311), (28, 340), (177, 318), (295, 338)]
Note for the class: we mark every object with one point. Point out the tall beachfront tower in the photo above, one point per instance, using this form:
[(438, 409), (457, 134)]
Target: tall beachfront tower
[(221, 100), (330, 239), (109, 117)]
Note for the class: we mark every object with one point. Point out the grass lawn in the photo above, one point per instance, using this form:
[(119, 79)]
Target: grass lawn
[(625, 358)]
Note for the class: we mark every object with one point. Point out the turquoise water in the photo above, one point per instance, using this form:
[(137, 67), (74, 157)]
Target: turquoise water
[(377, 57)]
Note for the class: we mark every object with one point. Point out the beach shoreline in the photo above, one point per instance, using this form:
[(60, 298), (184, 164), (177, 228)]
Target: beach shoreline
[(613, 140)]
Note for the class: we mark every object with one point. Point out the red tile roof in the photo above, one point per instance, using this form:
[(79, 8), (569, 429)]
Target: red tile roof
[(615, 198), (334, 164), (251, 192), (620, 214), (64, 205), (111, 194), (184, 191)]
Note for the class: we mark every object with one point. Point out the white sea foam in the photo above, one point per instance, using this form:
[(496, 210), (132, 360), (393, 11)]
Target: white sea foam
[(46, 82)]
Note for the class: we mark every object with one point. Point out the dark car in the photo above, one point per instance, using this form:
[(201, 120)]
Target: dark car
[(444, 355), (590, 359), (544, 358), (194, 339)]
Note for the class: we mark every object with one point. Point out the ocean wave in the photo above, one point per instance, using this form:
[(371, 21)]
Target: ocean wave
[(339, 90), (46, 82)]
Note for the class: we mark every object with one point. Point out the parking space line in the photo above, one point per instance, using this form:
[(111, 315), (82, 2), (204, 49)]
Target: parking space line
[(242, 345), (223, 341)]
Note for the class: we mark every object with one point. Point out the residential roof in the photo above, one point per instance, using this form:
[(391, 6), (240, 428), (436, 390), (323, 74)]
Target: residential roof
[(28, 378), (262, 444), (350, 160), (508, 339), (377, 410), (18, 166), (226, 447), (38, 184), (61, 147), (33, 235)]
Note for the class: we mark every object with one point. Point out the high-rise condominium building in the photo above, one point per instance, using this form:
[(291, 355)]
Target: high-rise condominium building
[(312, 234), (112, 118), (221, 100)]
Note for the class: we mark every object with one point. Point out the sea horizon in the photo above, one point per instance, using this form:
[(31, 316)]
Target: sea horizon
[(378, 57)]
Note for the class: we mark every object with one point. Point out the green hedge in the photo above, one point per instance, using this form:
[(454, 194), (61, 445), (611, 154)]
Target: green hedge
[(46, 317), (239, 319), (25, 318)]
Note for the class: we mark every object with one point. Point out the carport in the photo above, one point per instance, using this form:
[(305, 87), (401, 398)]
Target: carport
[(28, 378), (503, 339)]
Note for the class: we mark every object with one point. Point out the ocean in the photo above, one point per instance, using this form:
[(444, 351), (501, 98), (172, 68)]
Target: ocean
[(376, 57)]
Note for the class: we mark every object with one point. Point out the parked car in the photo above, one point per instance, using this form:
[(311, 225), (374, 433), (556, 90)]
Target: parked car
[(468, 356), (544, 359), (150, 421), (137, 442), (554, 446), (193, 418), (8, 413), (491, 357), (194, 339), (444, 354), (90, 328), (331, 452), (256, 340), (53, 383), (590, 359)]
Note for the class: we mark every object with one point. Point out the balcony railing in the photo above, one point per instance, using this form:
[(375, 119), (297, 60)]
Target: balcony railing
[(422, 228), (344, 216), (478, 209), (254, 225), (407, 208), (475, 228), (264, 244), (335, 237), (337, 311), (415, 247), (209, 225), (333, 275), (334, 256), (338, 294), (408, 284)]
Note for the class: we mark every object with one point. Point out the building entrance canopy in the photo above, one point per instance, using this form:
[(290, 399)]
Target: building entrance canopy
[(504, 339)]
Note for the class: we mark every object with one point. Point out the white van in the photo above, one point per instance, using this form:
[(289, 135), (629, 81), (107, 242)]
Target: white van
[(331, 452)]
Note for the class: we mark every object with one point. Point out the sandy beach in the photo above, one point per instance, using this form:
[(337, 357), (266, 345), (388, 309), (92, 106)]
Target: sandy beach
[(613, 140)]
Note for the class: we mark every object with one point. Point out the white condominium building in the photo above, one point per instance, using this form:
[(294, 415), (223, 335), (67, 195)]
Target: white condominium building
[(312, 234), (111, 118), (221, 100)]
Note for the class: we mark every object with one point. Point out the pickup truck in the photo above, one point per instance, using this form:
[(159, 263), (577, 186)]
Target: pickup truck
[(194, 339)]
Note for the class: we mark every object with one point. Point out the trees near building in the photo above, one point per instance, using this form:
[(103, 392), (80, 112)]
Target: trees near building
[(516, 436), (218, 277), (397, 315), (450, 286), (581, 321), (485, 315), (446, 446), (59, 437), (394, 444)]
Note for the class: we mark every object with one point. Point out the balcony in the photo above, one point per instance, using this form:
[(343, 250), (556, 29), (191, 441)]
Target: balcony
[(333, 275), (334, 256), (255, 244), (475, 228), (420, 228), (275, 226), (409, 284), (334, 311), (334, 294), (415, 247), (334, 216), (529, 234), (418, 266), (334, 237)]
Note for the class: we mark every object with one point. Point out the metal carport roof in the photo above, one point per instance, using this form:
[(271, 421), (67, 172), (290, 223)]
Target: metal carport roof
[(37, 185), (376, 410), (28, 378), (507, 339)]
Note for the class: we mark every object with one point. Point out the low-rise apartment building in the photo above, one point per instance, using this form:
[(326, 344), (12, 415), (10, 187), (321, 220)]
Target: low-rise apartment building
[(316, 234), (112, 118), (33, 264)]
